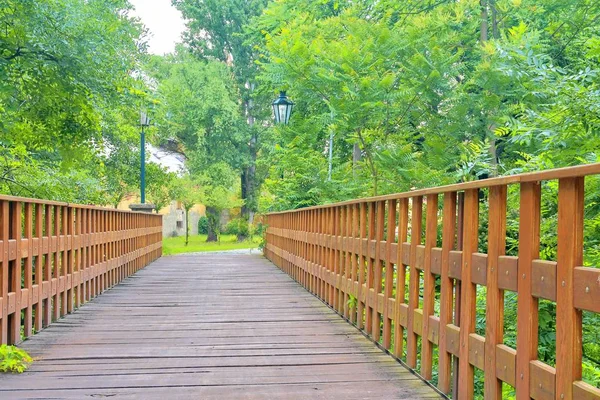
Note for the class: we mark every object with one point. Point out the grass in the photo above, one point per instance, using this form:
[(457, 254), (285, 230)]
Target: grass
[(176, 245)]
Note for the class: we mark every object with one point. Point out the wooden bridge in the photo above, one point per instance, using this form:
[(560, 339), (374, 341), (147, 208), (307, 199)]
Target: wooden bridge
[(403, 270)]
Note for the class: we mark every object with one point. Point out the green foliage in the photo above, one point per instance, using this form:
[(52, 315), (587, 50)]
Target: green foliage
[(69, 99), (13, 359), (238, 227), (203, 225)]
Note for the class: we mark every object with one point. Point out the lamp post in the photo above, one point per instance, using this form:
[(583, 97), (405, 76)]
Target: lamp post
[(282, 109), (144, 122)]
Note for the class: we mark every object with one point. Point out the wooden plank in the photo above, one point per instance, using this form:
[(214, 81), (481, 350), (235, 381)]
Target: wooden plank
[(249, 329), (56, 263), (413, 286), (494, 316), (527, 305), (543, 279), (378, 270), (39, 233), (389, 274), (507, 272), (47, 268), (543, 381), (400, 277), (531, 177), (4, 274), (28, 273), (370, 305), (506, 364), (585, 391), (361, 266), (446, 288), (586, 289), (569, 256), (467, 317), (355, 259), (429, 285), (14, 320)]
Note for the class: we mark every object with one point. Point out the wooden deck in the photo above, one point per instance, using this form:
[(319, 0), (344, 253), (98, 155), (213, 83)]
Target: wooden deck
[(209, 326)]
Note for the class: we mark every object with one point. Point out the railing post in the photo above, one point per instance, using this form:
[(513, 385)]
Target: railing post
[(527, 305)]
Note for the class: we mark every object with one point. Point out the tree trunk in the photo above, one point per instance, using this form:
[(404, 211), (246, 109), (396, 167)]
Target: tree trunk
[(187, 226), (213, 215), (356, 156), (484, 20), (248, 177)]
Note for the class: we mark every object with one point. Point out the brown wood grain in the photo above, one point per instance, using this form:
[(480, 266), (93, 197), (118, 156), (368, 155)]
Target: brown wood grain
[(494, 316), (569, 256), (527, 304), (414, 278), (429, 285)]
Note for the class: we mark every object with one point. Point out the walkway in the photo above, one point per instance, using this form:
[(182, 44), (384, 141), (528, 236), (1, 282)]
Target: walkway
[(206, 327)]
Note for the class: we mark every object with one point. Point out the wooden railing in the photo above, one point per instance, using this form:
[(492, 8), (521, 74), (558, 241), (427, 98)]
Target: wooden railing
[(382, 263), (56, 256)]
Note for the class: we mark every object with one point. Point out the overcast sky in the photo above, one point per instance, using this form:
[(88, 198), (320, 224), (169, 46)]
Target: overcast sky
[(164, 22)]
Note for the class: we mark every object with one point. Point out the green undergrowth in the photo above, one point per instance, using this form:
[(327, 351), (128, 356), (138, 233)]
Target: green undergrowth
[(13, 359)]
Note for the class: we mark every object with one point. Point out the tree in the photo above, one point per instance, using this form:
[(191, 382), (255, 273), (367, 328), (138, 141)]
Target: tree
[(199, 117), (216, 31), (161, 186), (188, 192), (67, 91)]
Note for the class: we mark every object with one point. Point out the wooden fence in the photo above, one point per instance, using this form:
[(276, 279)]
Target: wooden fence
[(384, 262), (56, 256)]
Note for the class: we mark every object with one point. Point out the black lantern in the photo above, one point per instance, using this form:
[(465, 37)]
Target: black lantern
[(282, 108)]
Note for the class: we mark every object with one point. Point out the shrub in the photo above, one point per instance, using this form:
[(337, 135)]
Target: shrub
[(13, 359), (237, 226), (203, 226)]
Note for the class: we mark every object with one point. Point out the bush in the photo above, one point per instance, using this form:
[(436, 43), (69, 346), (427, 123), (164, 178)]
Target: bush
[(203, 226), (13, 359), (237, 226)]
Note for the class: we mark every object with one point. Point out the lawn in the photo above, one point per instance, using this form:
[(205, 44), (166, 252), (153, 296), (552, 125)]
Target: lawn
[(176, 245)]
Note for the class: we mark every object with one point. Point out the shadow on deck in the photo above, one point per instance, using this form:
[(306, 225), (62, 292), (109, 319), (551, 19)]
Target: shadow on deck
[(209, 326)]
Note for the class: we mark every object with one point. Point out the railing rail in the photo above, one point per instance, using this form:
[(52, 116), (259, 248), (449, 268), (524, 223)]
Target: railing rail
[(387, 280), (56, 256)]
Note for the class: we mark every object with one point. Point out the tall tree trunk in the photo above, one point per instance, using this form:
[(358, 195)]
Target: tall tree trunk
[(248, 176), (484, 20), (187, 226), (356, 156), (214, 220)]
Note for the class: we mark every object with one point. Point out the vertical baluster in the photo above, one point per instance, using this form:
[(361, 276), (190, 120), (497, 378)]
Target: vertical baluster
[(428, 285), (389, 274), (15, 272), (378, 270), (448, 227), (362, 287), (28, 315), (569, 256), (495, 297), (468, 293), (400, 276), (39, 227), (527, 304), (414, 280)]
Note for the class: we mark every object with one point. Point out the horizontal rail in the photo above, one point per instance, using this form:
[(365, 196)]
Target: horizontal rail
[(406, 269), (551, 174), (56, 256)]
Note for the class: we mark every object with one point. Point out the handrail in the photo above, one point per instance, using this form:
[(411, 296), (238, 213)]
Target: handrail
[(55, 256), (550, 174), (413, 288)]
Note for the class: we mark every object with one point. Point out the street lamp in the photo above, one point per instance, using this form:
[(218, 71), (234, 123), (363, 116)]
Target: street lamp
[(282, 108), (144, 123)]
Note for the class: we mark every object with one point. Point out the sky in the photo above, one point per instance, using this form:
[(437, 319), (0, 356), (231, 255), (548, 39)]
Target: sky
[(164, 22)]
